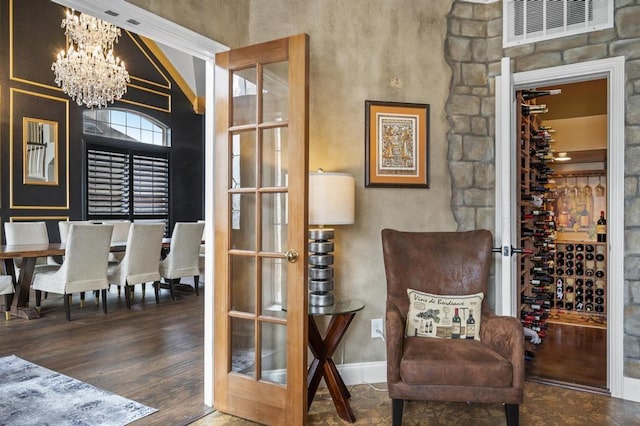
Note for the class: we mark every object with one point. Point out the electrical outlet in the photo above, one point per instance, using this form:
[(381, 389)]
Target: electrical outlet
[(376, 328)]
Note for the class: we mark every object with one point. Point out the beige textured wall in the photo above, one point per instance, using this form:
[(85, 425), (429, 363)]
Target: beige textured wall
[(221, 20), (357, 48)]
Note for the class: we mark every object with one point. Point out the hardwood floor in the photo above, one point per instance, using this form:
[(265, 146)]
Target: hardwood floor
[(572, 355), (152, 353)]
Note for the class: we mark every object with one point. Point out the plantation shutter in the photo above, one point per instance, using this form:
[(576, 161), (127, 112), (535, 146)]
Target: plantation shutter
[(107, 183), (150, 186)]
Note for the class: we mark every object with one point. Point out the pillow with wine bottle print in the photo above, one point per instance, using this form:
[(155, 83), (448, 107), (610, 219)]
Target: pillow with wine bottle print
[(444, 316)]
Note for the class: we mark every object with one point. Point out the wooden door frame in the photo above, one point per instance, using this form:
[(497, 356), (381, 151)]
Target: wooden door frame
[(613, 70), (295, 50)]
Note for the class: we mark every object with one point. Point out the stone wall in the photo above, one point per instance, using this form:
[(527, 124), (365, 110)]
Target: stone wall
[(473, 50)]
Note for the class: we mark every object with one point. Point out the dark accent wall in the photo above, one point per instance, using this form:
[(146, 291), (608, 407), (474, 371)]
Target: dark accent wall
[(27, 88)]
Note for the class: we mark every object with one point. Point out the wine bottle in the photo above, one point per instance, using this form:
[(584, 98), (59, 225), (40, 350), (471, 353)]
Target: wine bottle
[(531, 94), (584, 218), (455, 325), (601, 228), (471, 325), (533, 109)]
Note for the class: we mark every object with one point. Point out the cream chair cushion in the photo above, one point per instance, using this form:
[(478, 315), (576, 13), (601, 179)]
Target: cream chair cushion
[(140, 261), (85, 263), (6, 284), (184, 252)]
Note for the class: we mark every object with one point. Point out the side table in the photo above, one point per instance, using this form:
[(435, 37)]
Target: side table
[(342, 313)]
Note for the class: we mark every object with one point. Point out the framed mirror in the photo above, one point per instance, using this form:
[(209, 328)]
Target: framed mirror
[(40, 151)]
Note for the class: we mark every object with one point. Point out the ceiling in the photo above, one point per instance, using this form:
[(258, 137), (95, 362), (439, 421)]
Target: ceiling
[(185, 49)]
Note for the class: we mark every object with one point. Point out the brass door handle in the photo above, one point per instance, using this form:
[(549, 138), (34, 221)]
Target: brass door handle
[(291, 256)]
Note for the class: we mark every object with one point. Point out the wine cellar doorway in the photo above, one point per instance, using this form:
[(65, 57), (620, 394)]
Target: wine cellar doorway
[(562, 212)]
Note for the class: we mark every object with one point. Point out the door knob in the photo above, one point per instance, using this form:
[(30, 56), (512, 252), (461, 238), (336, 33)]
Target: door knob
[(291, 256)]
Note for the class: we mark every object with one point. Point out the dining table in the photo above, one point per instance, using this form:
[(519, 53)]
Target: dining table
[(30, 254)]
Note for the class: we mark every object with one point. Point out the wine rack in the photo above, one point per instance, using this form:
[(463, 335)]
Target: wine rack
[(580, 278), (537, 226)]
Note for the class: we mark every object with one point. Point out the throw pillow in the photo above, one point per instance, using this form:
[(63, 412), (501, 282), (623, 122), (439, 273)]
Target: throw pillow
[(434, 315)]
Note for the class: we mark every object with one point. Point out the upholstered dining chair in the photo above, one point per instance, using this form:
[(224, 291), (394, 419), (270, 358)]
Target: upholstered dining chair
[(183, 256), (29, 233), (448, 267), (120, 235), (84, 267), (64, 225), (7, 289), (140, 262)]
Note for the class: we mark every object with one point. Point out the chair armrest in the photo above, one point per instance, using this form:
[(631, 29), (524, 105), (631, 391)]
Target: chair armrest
[(395, 325), (505, 336)]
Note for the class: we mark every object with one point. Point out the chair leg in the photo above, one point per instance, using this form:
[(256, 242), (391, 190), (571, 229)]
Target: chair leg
[(196, 284), (127, 296), (7, 307), (38, 300), (396, 414), (104, 300), (96, 296), (82, 299), (156, 290), (513, 414), (67, 306), (144, 289), (172, 283)]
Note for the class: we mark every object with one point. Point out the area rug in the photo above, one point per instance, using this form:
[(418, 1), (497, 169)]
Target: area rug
[(34, 395)]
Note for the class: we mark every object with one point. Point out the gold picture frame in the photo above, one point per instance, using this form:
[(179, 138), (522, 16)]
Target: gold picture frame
[(396, 144)]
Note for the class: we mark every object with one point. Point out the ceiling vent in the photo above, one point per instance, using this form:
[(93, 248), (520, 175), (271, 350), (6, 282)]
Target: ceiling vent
[(111, 12), (133, 21), (528, 21)]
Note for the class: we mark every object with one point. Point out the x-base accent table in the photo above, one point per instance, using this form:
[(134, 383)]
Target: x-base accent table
[(342, 313)]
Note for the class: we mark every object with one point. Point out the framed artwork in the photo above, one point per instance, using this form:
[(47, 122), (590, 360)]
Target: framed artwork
[(396, 145)]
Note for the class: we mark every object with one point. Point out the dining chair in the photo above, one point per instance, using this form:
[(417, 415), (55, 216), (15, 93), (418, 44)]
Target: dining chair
[(184, 253), (84, 267), (7, 289), (140, 262), (29, 233), (120, 235), (64, 225)]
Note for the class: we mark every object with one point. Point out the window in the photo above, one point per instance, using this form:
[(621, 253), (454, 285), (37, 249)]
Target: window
[(115, 123), (528, 21), (125, 180)]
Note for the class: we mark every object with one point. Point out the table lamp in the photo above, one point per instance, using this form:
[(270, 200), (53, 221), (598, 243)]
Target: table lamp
[(331, 202)]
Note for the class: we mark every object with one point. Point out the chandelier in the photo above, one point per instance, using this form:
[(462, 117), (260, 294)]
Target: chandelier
[(88, 72)]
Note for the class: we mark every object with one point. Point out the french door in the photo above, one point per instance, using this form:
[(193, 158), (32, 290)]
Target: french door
[(261, 163)]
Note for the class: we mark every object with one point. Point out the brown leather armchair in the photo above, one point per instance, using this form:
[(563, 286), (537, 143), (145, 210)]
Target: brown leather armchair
[(490, 370)]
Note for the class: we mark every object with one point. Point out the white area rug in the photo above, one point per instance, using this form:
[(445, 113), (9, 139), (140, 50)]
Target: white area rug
[(34, 395)]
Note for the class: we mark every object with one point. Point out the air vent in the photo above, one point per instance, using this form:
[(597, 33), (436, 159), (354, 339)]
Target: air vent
[(133, 22), (529, 21), (111, 12)]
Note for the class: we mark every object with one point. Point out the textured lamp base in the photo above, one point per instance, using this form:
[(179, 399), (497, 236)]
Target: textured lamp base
[(321, 267)]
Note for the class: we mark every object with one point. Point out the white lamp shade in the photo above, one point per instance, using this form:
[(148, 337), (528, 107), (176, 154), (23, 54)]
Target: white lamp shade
[(331, 198)]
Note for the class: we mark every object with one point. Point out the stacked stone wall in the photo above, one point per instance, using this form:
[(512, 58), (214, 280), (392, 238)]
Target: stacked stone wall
[(473, 50)]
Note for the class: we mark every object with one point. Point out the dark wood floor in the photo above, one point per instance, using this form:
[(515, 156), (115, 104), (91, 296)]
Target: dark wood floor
[(571, 355), (152, 353)]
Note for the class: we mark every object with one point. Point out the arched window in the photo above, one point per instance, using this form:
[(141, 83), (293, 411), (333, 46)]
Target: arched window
[(132, 126), (124, 179)]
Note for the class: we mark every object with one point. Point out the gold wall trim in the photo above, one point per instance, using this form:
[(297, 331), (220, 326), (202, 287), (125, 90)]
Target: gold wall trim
[(12, 91), (13, 77), (167, 84), (198, 106), (29, 218), (148, 106)]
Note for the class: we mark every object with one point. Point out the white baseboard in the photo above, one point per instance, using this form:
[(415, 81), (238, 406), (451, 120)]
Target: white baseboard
[(631, 389), (364, 372)]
